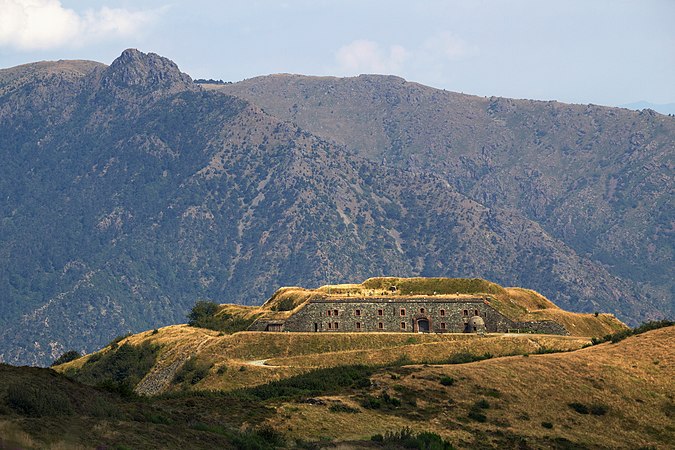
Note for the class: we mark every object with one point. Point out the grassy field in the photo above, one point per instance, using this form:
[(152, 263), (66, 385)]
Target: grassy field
[(607, 396), (245, 359), (527, 402)]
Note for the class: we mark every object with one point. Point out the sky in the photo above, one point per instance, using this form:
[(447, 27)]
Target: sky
[(607, 52)]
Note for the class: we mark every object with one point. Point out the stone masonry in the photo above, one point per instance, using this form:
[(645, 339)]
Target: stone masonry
[(435, 314)]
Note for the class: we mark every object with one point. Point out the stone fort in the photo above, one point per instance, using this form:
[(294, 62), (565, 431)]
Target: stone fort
[(391, 311)]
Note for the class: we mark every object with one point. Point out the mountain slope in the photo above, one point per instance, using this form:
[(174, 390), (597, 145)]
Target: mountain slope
[(129, 193), (599, 179)]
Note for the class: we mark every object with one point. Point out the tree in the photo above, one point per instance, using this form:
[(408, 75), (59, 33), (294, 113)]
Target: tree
[(203, 314), (66, 357)]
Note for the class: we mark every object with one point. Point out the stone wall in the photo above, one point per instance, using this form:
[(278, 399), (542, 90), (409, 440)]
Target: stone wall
[(407, 315), (391, 314)]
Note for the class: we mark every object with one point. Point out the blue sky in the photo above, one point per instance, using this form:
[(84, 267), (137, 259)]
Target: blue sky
[(609, 52)]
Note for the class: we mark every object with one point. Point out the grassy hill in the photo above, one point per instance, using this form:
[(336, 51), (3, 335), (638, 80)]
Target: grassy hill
[(611, 395), (179, 358)]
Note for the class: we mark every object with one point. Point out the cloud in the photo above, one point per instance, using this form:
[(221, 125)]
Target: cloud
[(445, 45), (44, 24), (363, 56), (436, 53)]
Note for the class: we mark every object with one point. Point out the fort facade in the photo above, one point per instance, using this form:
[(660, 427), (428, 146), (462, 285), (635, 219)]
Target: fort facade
[(405, 314)]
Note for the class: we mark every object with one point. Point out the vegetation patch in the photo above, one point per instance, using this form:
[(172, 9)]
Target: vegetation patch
[(119, 369), (623, 334), (38, 401), (66, 357), (311, 384), (192, 372), (406, 438), (340, 407)]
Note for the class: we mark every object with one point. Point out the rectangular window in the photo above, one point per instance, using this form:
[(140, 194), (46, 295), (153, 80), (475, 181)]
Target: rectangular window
[(403, 311), (328, 312), (336, 325), (380, 312), (380, 325), (442, 325), (335, 312), (358, 312), (422, 310), (358, 325), (442, 312), (402, 325), (466, 312), (330, 326), (476, 313)]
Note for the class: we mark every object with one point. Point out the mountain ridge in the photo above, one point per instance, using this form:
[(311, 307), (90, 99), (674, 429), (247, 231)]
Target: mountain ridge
[(124, 205)]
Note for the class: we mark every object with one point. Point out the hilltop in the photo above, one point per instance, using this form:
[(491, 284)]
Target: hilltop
[(611, 395), (181, 357), (164, 192)]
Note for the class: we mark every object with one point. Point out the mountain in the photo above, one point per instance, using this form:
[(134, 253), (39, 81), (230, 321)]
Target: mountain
[(665, 108), (129, 192), (598, 179)]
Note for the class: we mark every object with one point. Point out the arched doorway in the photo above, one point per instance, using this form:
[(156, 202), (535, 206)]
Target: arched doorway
[(423, 325)]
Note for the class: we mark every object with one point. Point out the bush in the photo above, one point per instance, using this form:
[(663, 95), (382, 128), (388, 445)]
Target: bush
[(547, 425), (192, 372), (476, 415), (342, 408), (406, 438), (481, 404), (119, 369), (312, 384), (579, 407), (203, 315), (34, 401), (598, 410), (447, 381), (68, 356), (623, 334)]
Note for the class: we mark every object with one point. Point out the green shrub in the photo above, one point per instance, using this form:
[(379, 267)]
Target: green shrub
[(579, 407), (342, 408), (481, 404), (406, 438), (203, 314), (118, 370), (68, 356), (192, 372), (37, 401), (623, 334), (547, 425), (466, 357), (314, 383), (476, 415), (598, 409), (447, 381)]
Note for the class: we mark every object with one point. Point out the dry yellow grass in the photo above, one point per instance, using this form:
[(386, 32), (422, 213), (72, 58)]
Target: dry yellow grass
[(632, 379)]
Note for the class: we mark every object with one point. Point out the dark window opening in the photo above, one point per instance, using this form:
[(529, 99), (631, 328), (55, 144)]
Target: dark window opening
[(336, 325), (358, 325), (402, 311), (402, 325), (442, 325), (380, 312), (476, 313), (442, 312), (335, 312), (330, 326), (358, 312), (466, 312), (328, 312), (422, 310), (380, 325)]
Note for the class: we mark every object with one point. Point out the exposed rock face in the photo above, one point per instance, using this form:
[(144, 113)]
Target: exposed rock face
[(147, 73), (129, 193)]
